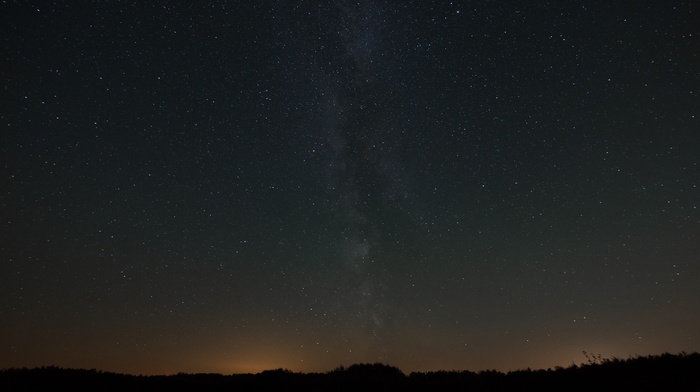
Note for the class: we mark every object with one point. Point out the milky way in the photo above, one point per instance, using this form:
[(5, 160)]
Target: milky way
[(226, 187)]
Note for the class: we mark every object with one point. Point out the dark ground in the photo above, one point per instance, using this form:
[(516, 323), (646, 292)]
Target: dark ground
[(662, 372)]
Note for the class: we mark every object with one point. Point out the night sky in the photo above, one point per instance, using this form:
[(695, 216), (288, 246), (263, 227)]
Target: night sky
[(220, 186)]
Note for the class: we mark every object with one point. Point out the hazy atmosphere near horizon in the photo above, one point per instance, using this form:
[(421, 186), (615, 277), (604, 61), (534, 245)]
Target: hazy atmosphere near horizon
[(234, 186)]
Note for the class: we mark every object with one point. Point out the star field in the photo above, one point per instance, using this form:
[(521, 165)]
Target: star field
[(232, 187)]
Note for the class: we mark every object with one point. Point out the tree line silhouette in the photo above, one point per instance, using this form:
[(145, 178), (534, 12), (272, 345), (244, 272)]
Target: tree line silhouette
[(680, 372)]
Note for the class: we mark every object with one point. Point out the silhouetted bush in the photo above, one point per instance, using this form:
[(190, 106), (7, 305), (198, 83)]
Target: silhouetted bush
[(662, 372)]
